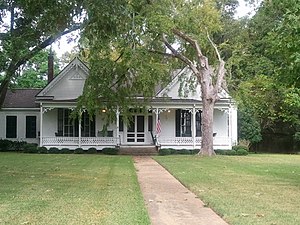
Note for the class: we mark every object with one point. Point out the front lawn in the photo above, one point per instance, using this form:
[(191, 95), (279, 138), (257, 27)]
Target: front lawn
[(254, 189), (69, 189)]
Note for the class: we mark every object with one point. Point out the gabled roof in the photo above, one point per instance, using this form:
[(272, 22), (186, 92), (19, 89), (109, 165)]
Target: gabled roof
[(21, 98), (76, 69), (185, 77)]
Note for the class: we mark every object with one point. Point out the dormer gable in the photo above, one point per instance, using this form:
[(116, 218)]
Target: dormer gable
[(68, 84), (185, 86)]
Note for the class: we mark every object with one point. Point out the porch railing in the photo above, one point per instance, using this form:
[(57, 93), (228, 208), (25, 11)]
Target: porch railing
[(185, 141), (84, 141)]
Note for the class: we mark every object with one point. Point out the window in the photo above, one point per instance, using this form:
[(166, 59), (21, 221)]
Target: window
[(11, 127), (87, 125), (150, 123), (121, 123), (30, 126), (184, 123), (198, 124), (69, 127)]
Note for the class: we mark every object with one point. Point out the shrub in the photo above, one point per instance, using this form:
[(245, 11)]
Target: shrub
[(165, 151), (225, 152), (220, 152), (92, 151), (230, 152), (42, 150), (110, 151), (5, 145), (30, 148), (78, 151), (65, 151), (237, 147), (19, 145), (185, 152), (195, 151), (242, 152), (53, 150)]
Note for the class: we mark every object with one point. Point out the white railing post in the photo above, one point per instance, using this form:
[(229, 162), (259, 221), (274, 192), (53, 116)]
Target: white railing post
[(41, 125), (194, 127), (79, 131), (118, 125)]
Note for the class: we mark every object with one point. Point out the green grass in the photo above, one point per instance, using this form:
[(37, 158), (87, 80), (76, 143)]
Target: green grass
[(69, 189), (254, 189)]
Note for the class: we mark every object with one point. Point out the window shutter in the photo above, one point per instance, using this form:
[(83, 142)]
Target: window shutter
[(30, 126), (11, 127), (177, 122)]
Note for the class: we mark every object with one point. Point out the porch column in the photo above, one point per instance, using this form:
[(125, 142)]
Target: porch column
[(229, 126), (118, 125), (79, 129), (194, 126), (41, 125), (156, 120)]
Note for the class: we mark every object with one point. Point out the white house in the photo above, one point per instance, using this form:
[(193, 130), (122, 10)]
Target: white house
[(42, 116)]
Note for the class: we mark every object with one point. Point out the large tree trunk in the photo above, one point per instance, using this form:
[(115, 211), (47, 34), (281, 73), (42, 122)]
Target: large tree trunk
[(207, 118)]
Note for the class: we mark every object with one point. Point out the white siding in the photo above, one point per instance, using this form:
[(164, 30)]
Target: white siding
[(21, 124), (50, 123), (70, 86)]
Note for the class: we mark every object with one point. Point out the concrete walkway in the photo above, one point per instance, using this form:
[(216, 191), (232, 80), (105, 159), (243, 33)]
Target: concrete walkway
[(167, 200)]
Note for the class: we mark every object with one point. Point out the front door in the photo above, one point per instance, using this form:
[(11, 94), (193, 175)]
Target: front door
[(136, 130)]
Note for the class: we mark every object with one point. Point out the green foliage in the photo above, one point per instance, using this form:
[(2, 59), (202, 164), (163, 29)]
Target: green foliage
[(65, 151), (126, 55), (8, 145), (110, 151), (242, 152), (53, 150), (225, 152), (238, 147), (78, 151), (29, 27), (248, 126), (30, 148), (92, 151), (236, 150), (265, 70), (42, 150), (5, 145), (165, 151), (34, 72), (172, 151)]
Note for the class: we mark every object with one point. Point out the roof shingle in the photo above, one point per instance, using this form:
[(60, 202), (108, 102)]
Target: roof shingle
[(21, 98)]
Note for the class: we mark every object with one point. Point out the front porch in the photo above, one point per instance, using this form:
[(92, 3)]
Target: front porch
[(164, 127)]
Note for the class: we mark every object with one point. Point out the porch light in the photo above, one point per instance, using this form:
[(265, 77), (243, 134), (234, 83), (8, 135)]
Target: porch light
[(169, 111), (103, 110)]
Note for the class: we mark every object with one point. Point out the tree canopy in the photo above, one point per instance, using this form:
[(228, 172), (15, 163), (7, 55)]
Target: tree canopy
[(27, 27), (136, 47)]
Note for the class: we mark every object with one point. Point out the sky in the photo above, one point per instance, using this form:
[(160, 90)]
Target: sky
[(61, 46)]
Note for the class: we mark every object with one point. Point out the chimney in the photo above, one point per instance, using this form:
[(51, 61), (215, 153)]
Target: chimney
[(50, 66)]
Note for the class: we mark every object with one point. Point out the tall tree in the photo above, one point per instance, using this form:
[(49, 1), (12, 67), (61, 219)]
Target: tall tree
[(30, 26), (266, 70), (33, 74), (134, 49)]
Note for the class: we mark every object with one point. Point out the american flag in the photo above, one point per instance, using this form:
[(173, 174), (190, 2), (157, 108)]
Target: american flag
[(158, 126)]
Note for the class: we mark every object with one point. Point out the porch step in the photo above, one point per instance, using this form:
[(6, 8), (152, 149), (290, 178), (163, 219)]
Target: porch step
[(138, 150)]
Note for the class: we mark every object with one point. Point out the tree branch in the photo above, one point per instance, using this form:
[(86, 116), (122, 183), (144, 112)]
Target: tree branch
[(221, 68), (179, 55), (215, 47), (162, 53)]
